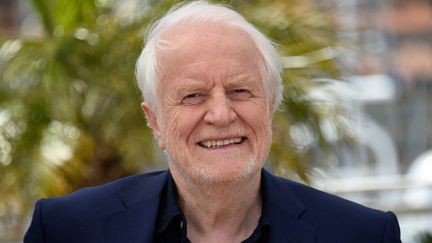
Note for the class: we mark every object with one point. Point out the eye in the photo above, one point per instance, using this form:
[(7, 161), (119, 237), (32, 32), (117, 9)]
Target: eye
[(239, 94), (193, 98)]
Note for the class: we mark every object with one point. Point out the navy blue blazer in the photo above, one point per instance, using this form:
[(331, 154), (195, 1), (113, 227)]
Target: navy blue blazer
[(126, 210)]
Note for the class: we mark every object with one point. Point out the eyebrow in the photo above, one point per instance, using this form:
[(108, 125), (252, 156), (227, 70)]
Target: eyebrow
[(191, 85), (197, 85)]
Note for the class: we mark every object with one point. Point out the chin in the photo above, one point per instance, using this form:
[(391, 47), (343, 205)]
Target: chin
[(226, 175)]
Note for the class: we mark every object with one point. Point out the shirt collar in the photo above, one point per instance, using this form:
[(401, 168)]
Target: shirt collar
[(169, 207), (170, 210)]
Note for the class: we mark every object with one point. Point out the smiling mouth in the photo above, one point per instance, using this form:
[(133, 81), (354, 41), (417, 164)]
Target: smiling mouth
[(220, 143)]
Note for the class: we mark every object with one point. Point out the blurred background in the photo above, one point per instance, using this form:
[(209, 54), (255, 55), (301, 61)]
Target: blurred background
[(356, 121)]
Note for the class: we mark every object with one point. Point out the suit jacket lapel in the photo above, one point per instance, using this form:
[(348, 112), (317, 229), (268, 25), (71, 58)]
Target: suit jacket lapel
[(284, 210), (291, 231), (134, 222)]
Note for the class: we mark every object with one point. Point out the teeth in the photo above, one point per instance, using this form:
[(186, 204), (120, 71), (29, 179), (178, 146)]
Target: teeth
[(218, 143)]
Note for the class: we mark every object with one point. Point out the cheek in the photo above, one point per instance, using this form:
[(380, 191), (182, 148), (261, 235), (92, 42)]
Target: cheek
[(259, 120), (260, 123), (179, 126), (172, 130), (264, 138), (264, 132)]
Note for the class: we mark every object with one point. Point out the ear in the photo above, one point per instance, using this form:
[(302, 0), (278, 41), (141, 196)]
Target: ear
[(152, 121)]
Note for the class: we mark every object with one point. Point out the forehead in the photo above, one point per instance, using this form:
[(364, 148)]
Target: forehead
[(188, 33), (208, 45)]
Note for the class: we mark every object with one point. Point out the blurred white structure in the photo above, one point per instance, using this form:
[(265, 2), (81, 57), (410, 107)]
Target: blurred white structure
[(420, 174), (370, 172)]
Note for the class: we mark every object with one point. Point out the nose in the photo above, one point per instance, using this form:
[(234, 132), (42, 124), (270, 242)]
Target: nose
[(220, 111)]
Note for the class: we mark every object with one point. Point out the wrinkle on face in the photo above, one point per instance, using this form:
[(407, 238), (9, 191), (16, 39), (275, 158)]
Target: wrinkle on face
[(213, 65)]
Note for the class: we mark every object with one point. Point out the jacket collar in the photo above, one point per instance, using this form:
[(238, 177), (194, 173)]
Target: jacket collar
[(138, 215), (284, 211), (135, 221)]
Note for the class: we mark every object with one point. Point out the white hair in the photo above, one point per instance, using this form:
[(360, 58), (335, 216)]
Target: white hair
[(204, 12)]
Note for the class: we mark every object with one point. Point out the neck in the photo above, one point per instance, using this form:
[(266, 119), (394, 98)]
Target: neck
[(220, 212)]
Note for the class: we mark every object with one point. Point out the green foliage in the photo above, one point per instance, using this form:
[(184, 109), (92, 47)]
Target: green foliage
[(425, 238), (69, 106)]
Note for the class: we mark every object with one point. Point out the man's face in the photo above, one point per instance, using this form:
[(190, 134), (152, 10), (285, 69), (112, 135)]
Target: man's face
[(214, 118)]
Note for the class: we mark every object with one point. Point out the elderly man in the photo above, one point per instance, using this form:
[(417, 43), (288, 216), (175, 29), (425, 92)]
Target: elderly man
[(211, 83)]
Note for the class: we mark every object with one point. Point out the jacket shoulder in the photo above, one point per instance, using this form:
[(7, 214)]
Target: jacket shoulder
[(82, 215), (337, 218), (313, 198), (105, 198)]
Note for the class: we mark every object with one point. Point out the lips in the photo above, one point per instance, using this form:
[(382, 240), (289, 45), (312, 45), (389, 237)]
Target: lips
[(220, 142)]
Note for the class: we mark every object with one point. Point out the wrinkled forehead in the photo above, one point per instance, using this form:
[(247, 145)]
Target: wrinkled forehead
[(208, 50), (206, 43), (191, 37)]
